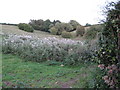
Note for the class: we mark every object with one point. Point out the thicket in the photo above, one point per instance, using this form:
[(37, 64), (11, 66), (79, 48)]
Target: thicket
[(60, 27), (42, 25), (66, 51), (56, 27)]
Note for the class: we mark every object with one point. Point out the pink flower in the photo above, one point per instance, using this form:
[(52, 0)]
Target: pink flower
[(114, 67), (7, 83), (105, 78), (107, 81), (109, 67), (101, 66), (110, 71), (111, 83)]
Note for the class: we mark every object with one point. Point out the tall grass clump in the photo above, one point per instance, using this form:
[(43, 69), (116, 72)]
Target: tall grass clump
[(65, 51)]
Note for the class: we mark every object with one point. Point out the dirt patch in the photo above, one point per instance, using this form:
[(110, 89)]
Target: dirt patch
[(69, 83), (72, 81)]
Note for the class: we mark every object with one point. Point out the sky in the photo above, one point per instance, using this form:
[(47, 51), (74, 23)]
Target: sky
[(21, 11)]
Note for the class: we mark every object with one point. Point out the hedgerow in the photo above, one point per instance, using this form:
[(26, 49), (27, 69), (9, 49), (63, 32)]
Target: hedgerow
[(62, 50)]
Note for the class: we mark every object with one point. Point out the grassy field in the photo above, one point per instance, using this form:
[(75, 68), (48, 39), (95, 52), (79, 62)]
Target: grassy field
[(50, 74), (18, 73), (9, 29)]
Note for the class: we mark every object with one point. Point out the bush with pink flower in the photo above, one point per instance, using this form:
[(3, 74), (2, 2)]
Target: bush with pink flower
[(112, 75)]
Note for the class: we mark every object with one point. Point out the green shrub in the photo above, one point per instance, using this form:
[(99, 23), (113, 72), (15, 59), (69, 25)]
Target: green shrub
[(91, 33), (73, 33), (74, 24), (21, 26), (110, 75), (67, 27), (37, 24), (25, 27), (28, 28), (59, 27), (53, 31), (63, 27), (41, 24), (109, 52), (66, 34), (46, 25), (108, 55), (80, 31), (98, 81)]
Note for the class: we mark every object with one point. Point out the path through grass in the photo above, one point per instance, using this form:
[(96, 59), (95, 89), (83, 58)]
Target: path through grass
[(18, 73)]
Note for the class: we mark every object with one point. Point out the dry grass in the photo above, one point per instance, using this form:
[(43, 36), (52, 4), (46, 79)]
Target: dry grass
[(9, 29)]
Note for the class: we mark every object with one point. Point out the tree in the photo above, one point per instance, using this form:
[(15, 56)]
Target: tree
[(59, 27), (53, 31), (67, 27), (37, 24), (80, 30), (74, 24), (110, 39), (46, 25), (56, 21), (40, 24), (62, 27), (87, 24), (109, 53)]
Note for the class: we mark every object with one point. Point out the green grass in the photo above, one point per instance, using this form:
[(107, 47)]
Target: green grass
[(18, 73)]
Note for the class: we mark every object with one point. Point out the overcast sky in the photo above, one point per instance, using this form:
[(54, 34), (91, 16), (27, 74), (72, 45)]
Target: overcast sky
[(83, 11)]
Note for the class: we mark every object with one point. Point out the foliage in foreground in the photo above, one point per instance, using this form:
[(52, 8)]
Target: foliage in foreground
[(108, 55)]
